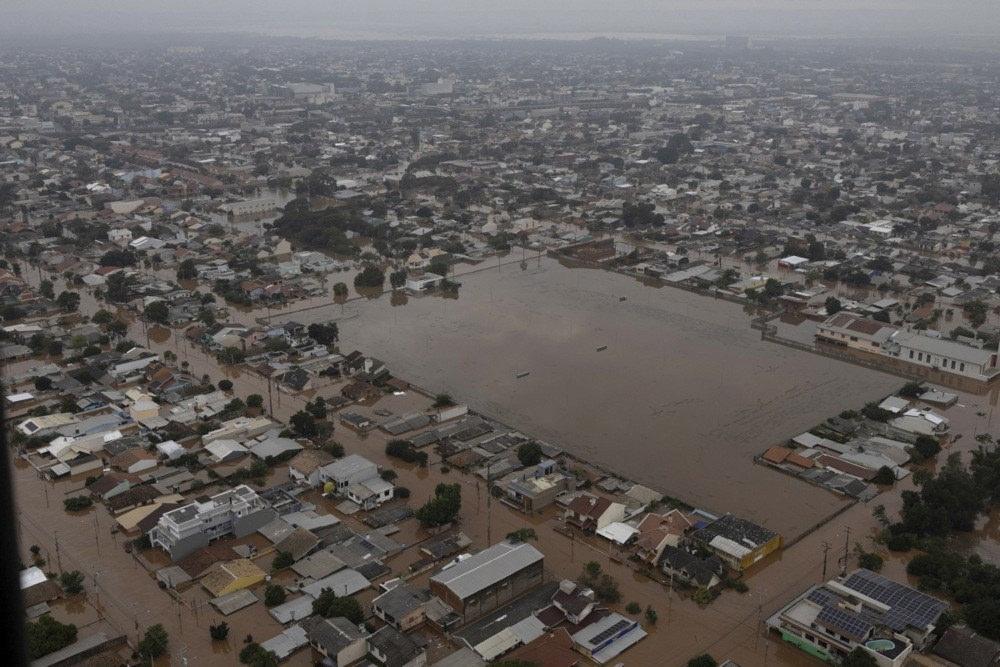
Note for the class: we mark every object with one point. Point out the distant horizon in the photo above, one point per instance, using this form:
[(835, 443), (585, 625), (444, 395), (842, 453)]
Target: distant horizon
[(420, 20)]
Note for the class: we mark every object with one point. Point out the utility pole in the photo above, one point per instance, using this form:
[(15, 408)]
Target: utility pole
[(489, 503), (826, 548), (58, 558), (270, 396), (847, 542)]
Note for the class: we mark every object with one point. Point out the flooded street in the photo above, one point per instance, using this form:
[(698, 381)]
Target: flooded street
[(682, 398), (684, 391)]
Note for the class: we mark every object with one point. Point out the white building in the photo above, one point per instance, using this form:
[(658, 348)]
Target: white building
[(978, 363), (239, 512)]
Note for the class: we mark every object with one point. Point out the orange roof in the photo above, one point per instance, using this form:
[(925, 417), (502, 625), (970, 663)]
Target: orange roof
[(799, 460), (777, 454)]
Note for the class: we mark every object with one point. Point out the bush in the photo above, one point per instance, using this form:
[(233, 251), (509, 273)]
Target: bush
[(522, 535), (912, 390), (71, 582), (870, 561), (704, 596), (633, 608), (606, 589), (651, 615), (703, 660), (78, 503), (401, 492), (219, 632), (737, 585), (226, 385)]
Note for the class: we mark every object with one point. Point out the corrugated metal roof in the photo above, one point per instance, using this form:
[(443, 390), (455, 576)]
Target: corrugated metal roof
[(488, 567)]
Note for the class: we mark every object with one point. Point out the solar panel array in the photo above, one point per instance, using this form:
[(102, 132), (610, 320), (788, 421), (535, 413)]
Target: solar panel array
[(908, 606), (604, 635), (822, 597), (844, 623)]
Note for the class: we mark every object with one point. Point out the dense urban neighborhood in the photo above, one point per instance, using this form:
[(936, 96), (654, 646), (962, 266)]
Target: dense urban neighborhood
[(503, 352)]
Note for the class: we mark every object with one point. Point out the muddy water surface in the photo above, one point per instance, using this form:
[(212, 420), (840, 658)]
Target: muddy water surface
[(681, 399)]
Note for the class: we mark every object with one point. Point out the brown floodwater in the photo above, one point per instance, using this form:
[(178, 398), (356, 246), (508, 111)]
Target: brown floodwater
[(681, 399)]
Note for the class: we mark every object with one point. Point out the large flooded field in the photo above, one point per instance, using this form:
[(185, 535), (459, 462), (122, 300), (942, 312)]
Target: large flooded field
[(681, 399)]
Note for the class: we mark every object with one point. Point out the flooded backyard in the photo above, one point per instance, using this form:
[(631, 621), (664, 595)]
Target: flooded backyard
[(681, 399)]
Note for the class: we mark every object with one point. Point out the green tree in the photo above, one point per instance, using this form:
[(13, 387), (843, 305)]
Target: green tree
[(329, 605), (154, 642), (77, 503), (651, 616), (926, 446), (255, 401), (187, 270), (304, 424), (703, 660), (158, 312), (529, 454), (371, 276), (231, 356), (255, 655), (439, 265), (833, 305), (324, 334), (274, 595), (45, 288), (443, 401), (340, 290), (47, 635), (102, 317), (885, 476), (118, 288), (71, 582), (859, 657), (68, 302), (397, 278), (443, 507), (522, 535), (219, 632), (282, 560)]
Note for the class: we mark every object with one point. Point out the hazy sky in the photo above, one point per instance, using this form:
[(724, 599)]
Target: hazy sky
[(457, 18)]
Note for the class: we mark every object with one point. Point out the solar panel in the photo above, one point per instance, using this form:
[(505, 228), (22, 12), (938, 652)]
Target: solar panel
[(844, 623), (908, 606), (822, 597), (610, 632)]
